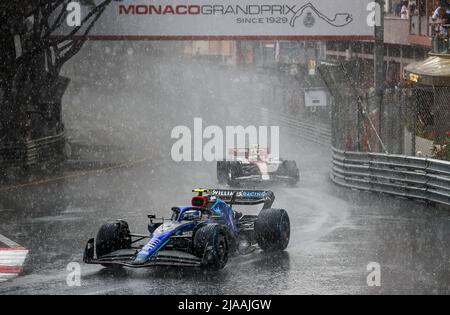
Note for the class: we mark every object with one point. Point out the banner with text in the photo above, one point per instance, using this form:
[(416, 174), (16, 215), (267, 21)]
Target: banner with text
[(235, 19)]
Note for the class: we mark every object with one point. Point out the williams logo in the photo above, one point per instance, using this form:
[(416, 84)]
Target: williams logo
[(309, 13)]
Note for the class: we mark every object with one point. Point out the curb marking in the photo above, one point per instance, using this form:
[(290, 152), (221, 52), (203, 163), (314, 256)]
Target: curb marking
[(12, 259)]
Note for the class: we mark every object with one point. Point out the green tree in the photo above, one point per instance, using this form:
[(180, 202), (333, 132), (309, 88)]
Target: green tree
[(32, 53)]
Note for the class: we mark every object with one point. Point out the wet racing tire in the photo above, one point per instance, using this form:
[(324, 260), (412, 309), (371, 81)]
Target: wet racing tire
[(292, 171), (111, 237), (273, 230), (234, 171), (222, 172), (211, 244)]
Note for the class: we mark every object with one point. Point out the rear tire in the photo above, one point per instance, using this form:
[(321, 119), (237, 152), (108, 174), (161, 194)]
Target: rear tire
[(111, 237), (211, 243), (222, 169), (233, 171), (273, 230), (292, 171)]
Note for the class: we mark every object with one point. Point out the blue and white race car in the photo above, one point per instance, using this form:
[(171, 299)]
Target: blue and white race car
[(203, 234)]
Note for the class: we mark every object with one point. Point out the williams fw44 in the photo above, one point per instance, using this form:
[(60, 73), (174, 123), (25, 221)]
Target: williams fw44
[(255, 166), (203, 234)]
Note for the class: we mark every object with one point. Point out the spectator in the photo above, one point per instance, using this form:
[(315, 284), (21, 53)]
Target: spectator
[(398, 8), (413, 9), (404, 12), (440, 31), (440, 23), (442, 5)]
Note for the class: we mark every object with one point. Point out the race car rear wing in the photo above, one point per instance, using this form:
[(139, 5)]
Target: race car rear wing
[(245, 197)]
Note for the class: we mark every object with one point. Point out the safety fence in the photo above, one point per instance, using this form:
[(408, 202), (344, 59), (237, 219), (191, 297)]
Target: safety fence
[(313, 131), (32, 152), (410, 177), (406, 120), (399, 175)]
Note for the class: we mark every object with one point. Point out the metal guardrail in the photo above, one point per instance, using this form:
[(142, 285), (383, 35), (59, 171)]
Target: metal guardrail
[(32, 152), (399, 175), (315, 132), (405, 176)]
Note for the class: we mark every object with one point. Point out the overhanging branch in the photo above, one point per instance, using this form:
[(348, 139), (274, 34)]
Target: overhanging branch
[(46, 41)]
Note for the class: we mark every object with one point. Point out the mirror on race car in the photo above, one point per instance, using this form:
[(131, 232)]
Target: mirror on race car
[(191, 215), (175, 213)]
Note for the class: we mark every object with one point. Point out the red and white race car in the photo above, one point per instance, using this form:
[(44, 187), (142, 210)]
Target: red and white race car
[(254, 165)]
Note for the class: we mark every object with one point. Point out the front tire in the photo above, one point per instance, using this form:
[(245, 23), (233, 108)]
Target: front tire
[(273, 230), (211, 244), (111, 237)]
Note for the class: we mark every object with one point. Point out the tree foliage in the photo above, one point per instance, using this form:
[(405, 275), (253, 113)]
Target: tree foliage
[(32, 53)]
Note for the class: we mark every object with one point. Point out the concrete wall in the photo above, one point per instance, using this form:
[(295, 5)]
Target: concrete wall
[(396, 31)]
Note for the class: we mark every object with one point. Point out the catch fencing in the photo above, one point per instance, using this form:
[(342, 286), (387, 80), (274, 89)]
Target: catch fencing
[(316, 132), (404, 176), (417, 178)]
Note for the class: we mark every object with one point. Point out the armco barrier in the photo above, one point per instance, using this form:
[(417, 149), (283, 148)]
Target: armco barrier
[(315, 132), (406, 176)]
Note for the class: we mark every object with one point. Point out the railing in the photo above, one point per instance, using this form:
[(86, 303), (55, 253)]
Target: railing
[(32, 152), (420, 25), (315, 132), (405, 176), (440, 38)]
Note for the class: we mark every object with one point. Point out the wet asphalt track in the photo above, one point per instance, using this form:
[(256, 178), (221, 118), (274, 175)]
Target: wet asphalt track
[(335, 232)]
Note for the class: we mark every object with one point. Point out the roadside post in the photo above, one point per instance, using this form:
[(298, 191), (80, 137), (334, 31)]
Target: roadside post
[(379, 67)]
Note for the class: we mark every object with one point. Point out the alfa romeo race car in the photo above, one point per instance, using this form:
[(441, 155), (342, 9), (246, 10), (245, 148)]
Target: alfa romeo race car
[(203, 234), (256, 166)]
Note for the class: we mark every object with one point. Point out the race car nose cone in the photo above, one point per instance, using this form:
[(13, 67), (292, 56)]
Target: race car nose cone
[(139, 260)]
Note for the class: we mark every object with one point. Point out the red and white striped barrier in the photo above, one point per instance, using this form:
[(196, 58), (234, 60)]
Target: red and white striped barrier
[(12, 258)]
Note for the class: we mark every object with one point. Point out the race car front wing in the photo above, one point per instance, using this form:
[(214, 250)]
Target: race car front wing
[(259, 178), (125, 257)]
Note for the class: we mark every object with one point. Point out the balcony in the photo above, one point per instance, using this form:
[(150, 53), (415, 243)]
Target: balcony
[(420, 23), (396, 30), (434, 71), (440, 39), (415, 31)]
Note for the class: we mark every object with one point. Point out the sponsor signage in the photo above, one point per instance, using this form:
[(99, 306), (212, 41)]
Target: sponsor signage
[(233, 19), (239, 194), (316, 98)]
